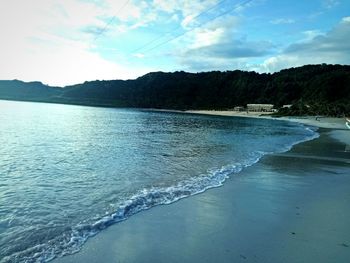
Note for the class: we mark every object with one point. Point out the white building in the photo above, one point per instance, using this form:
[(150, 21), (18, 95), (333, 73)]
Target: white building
[(260, 107)]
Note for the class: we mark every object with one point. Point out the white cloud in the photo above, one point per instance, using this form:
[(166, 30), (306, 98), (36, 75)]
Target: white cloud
[(346, 19), (187, 20), (311, 34), (330, 47), (66, 62), (186, 7), (216, 31), (280, 21), (166, 6), (223, 47), (71, 17), (279, 62), (53, 40), (122, 11), (218, 45), (175, 17), (206, 37), (326, 6), (44, 41), (189, 9), (139, 55), (330, 3)]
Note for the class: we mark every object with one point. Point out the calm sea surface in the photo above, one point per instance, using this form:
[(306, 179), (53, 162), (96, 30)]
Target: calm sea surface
[(67, 172)]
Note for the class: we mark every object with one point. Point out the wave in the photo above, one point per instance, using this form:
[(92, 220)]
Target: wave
[(72, 239)]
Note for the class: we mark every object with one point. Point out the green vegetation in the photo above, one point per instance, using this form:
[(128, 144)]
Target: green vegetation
[(313, 90)]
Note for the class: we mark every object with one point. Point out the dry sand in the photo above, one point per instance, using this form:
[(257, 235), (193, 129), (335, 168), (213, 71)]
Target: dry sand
[(321, 122)]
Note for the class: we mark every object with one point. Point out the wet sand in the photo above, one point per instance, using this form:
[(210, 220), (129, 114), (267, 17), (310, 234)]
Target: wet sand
[(290, 207)]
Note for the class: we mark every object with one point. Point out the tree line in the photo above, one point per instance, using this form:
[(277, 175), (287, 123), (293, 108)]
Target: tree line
[(311, 89)]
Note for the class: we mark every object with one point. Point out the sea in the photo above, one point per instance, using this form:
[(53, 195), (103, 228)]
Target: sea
[(69, 172)]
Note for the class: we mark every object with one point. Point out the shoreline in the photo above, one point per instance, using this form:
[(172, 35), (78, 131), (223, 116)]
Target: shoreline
[(317, 121), (158, 234), (336, 126), (322, 122)]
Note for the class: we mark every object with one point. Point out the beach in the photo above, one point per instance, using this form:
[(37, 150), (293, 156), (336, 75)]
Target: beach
[(318, 121), (288, 207)]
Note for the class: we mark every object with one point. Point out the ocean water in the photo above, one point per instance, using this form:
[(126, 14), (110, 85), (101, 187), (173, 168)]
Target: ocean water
[(68, 172)]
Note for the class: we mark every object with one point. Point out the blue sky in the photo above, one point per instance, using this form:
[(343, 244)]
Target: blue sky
[(61, 42)]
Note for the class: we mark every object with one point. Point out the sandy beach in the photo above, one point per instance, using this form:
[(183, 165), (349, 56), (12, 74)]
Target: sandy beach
[(289, 207), (318, 121)]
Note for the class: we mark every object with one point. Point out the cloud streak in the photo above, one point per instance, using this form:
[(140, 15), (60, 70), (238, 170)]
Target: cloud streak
[(281, 21)]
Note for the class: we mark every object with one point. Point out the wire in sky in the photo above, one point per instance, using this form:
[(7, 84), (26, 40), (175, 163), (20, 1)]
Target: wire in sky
[(177, 28), (200, 25), (111, 20)]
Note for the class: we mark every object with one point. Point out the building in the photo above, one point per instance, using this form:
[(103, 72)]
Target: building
[(287, 106), (260, 107), (239, 108)]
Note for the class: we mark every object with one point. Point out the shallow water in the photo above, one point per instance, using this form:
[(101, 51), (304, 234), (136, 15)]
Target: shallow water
[(67, 172)]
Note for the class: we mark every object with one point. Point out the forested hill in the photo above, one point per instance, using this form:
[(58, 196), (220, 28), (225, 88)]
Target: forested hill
[(313, 89), (33, 91)]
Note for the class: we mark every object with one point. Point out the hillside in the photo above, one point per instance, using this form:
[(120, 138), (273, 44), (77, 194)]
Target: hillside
[(33, 91), (312, 89)]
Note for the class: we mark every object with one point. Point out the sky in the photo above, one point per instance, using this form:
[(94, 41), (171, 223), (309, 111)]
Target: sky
[(64, 42)]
